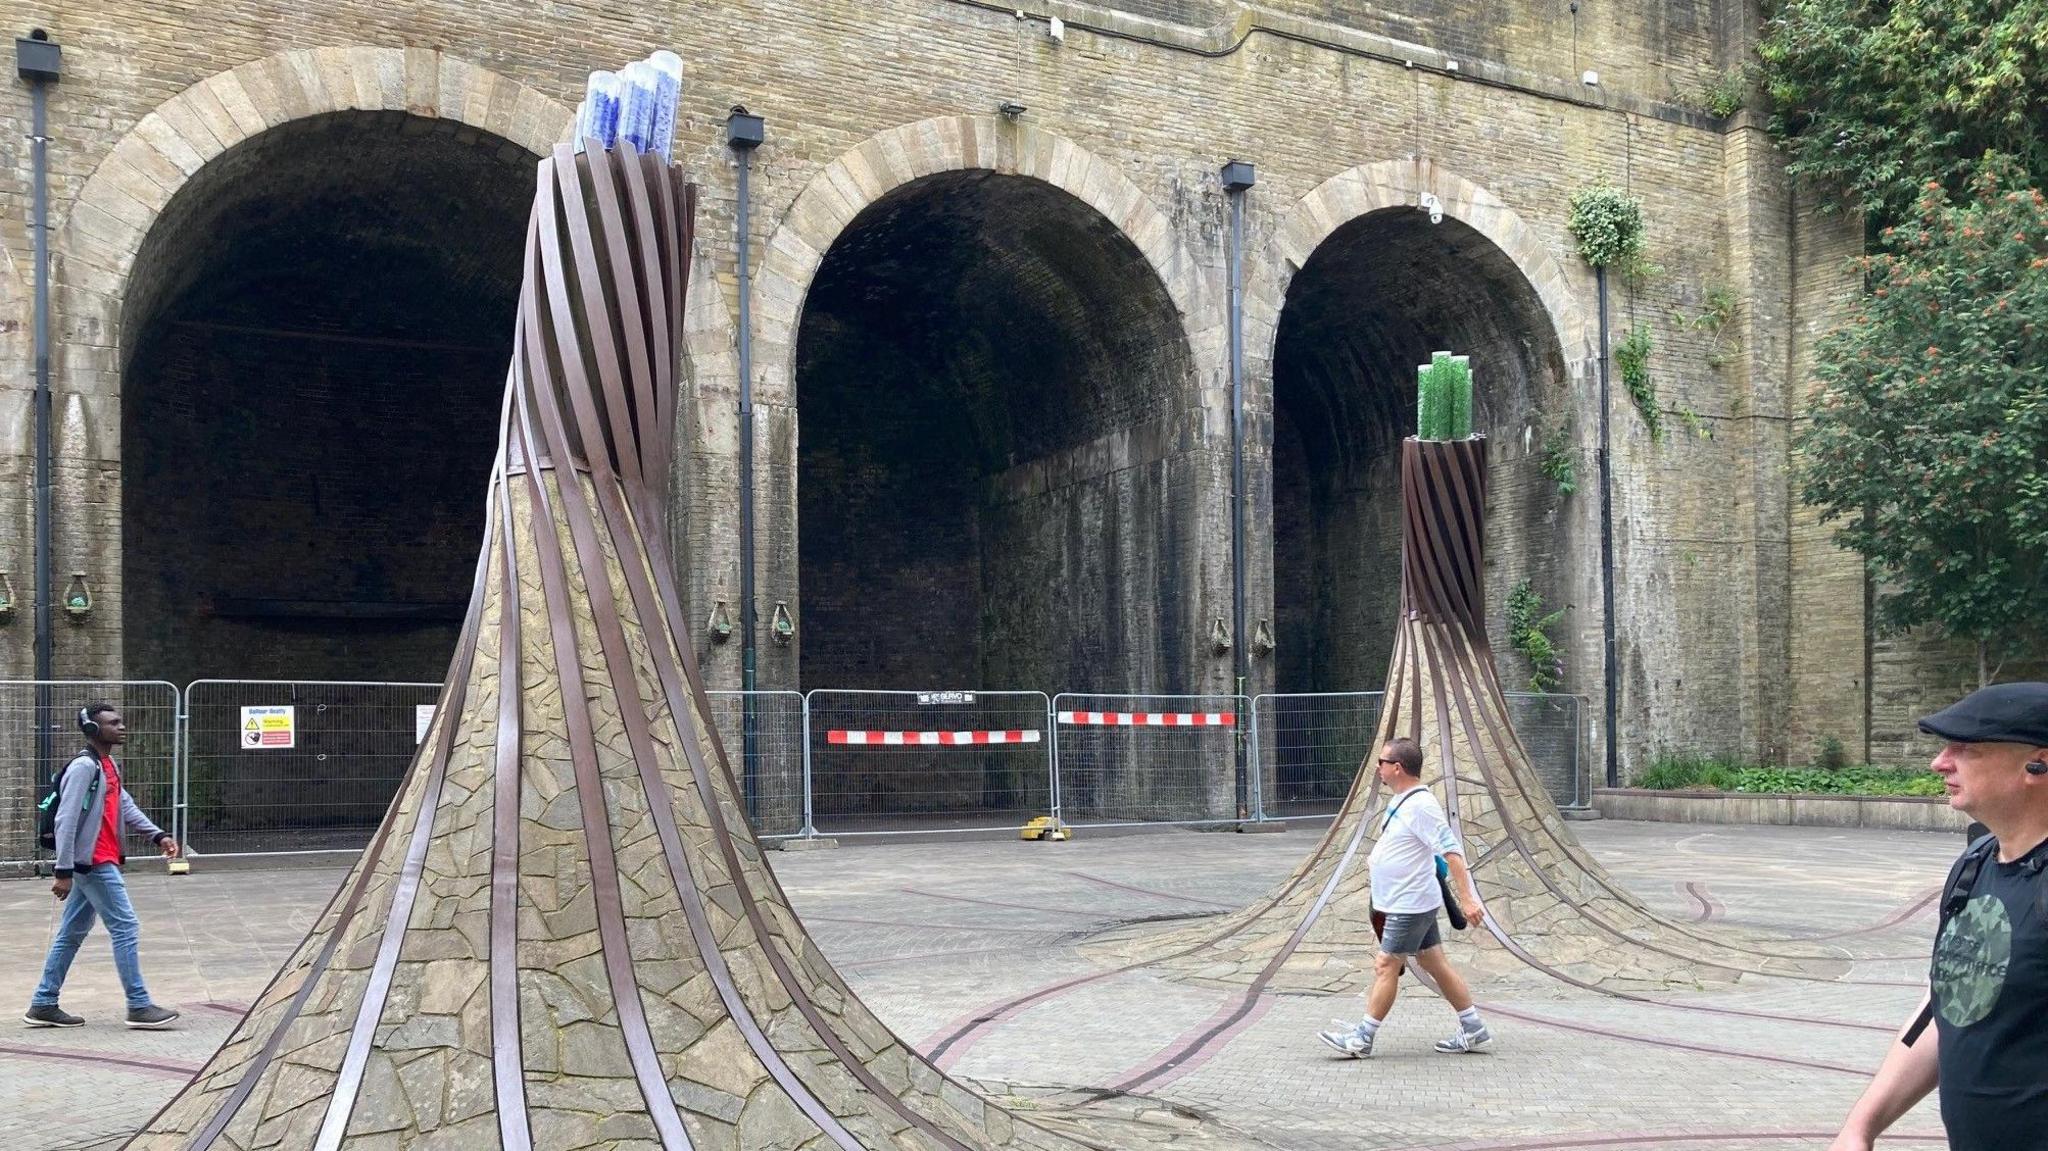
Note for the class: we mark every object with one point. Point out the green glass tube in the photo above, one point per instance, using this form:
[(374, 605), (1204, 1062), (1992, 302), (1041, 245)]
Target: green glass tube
[(1460, 393), (1425, 405), (1443, 398)]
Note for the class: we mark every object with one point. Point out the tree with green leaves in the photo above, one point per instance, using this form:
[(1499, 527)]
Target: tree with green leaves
[(1928, 443), (1876, 97)]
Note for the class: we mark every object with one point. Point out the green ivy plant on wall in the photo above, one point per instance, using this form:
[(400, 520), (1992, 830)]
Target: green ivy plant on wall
[(1722, 94), (1559, 461), (1607, 223), (1632, 360), (1529, 633), (1715, 311)]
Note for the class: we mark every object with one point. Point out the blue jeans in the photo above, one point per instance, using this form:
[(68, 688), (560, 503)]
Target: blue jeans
[(95, 891)]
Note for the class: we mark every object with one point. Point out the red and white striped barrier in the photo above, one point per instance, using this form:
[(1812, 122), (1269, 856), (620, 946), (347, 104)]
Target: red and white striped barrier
[(1150, 718), (930, 738)]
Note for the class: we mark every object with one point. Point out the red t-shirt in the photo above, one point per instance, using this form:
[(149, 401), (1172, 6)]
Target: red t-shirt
[(108, 849)]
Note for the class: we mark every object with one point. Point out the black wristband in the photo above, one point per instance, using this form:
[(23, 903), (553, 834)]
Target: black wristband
[(63, 873)]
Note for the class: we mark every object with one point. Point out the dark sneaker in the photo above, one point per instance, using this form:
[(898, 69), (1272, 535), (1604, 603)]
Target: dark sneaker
[(1465, 1042), (51, 1016), (150, 1016)]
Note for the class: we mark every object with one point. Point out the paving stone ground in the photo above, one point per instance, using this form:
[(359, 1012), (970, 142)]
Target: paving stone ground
[(940, 935)]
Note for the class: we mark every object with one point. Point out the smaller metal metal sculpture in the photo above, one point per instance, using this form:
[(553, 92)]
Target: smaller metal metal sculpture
[(1550, 905)]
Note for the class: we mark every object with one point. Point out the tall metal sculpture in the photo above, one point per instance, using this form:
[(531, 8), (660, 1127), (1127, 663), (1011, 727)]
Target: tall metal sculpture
[(564, 935), (1550, 905)]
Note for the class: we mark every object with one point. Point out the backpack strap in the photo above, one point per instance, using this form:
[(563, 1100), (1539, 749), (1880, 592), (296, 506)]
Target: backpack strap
[(1396, 809), (1954, 897)]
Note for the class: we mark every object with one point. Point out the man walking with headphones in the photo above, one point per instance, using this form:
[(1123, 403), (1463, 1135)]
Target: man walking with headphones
[(1988, 984), (92, 810)]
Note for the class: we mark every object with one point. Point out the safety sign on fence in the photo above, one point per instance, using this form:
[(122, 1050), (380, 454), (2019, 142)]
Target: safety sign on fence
[(269, 727)]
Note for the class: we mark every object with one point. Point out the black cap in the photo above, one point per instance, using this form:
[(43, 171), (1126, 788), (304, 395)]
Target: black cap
[(2001, 713)]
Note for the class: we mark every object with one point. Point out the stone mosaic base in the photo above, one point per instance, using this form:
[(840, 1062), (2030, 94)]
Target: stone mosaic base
[(1550, 906)]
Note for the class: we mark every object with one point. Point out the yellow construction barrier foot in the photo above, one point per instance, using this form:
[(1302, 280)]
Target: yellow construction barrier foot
[(1045, 829)]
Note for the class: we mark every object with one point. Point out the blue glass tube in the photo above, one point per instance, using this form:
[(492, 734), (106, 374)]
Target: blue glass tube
[(600, 120), (668, 88), (636, 105)]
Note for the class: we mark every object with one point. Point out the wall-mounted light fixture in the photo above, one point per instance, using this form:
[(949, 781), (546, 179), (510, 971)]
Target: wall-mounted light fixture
[(780, 625), (720, 623), (744, 131), (1262, 639), (1011, 109), (6, 599), (77, 598), (1219, 636)]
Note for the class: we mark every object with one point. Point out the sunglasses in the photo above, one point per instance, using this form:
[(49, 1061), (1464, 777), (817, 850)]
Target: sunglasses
[(1385, 762)]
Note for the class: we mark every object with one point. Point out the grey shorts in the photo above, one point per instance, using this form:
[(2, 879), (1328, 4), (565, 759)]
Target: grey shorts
[(1410, 934)]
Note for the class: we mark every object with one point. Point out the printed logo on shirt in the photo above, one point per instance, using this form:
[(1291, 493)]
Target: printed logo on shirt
[(1971, 959)]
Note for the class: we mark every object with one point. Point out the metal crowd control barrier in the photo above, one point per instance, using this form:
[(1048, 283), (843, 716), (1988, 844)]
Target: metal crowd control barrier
[(1309, 747), (776, 800), (288, 767), (1146, 759), (1551, 731), (886, 762), (39, 735)]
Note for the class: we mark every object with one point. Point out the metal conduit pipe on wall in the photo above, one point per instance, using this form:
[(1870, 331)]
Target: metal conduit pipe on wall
[(1608, 638), (39, 62), (743, 134), (1238, 177)]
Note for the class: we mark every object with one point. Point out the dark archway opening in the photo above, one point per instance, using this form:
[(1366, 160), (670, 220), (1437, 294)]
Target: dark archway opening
[(1371, 304), (989, 377), (316, 337), (984, 369)]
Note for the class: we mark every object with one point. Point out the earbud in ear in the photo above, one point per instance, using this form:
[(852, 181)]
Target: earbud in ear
[(2037, 767)]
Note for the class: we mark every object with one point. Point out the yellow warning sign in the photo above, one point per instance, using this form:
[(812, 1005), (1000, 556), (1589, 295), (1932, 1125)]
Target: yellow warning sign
[(269, 727)]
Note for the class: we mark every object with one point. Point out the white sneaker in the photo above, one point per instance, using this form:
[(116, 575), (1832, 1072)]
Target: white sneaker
[(1347, 1039), (1465, 1042)]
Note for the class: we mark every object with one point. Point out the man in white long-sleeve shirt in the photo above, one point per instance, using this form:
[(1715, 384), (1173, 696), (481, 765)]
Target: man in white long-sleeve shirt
[(1414, 832)]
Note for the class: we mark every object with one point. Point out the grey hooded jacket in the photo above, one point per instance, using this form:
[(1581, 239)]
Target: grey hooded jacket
[(79, 803)]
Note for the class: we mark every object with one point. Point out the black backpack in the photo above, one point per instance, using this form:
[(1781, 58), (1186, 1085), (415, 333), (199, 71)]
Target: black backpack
[(46, 810)]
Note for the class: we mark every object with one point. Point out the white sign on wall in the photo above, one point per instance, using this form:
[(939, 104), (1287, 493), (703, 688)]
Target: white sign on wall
[(422, 719)]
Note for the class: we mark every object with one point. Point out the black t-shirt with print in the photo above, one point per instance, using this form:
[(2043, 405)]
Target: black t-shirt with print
[(1990, 988)]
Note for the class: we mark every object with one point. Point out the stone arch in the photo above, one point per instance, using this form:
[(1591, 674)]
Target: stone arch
[(884, 162), (107, 284), (1375, 187), (1355, 287), (94, 250), (982, 331), (96, 246)]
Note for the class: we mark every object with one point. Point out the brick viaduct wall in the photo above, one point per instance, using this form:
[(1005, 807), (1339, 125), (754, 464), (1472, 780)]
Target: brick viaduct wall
[(1736, 627)]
